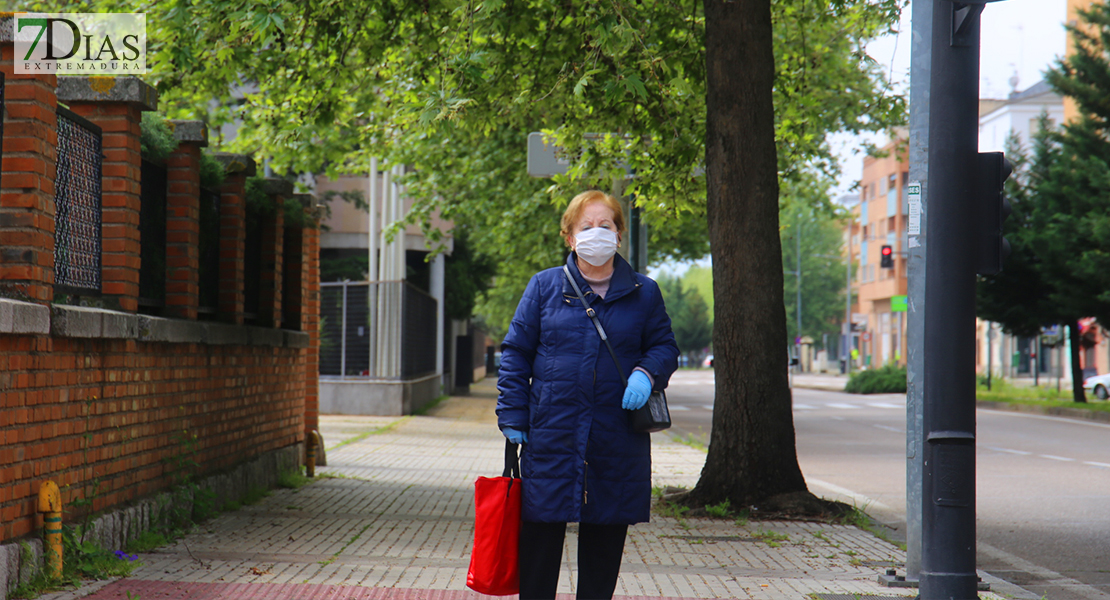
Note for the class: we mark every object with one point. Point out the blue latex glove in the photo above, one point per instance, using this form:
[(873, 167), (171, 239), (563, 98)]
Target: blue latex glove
[(637, 392), (514, 436)]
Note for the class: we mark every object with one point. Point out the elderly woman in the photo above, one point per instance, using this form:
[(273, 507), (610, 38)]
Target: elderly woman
[(562, 396)]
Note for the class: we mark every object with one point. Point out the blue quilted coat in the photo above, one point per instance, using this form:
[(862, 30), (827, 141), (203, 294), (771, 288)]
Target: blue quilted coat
[(583, 463)]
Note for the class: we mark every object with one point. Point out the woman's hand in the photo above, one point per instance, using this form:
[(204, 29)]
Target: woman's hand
[(514, 436), (637, 392)]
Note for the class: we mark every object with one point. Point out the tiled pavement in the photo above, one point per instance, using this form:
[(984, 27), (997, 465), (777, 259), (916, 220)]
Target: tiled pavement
[(391, 519)]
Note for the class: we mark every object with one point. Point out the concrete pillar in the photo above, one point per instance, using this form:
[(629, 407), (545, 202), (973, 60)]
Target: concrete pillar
[(437, 289)]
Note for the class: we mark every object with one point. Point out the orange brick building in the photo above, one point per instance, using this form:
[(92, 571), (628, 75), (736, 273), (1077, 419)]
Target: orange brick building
[(880, 218)]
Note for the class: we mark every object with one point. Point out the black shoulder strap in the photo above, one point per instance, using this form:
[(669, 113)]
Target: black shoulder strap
[(593, 316)]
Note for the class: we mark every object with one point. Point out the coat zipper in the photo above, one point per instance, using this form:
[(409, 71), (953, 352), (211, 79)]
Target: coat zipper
[(586, 472)]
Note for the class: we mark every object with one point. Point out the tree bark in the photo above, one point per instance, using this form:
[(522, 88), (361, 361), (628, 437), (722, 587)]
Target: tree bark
[(1076, 371), (752, 460)]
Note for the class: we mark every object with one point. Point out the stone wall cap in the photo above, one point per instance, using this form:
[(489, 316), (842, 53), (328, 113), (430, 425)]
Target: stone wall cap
[(7, 25), (17, 316), (276, 186), (190, 131), (236, 163), (108, 89)]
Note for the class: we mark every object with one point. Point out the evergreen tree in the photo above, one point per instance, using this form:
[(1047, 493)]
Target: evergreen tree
[(693, 329), (1059, 271)]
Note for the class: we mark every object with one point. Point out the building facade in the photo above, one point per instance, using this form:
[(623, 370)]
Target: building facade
[(880, 219)]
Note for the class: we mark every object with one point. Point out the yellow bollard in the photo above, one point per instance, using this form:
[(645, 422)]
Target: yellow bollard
[(310, 464), (50, 505)]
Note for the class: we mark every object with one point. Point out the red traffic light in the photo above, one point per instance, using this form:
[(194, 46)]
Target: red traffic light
[(886, 260)]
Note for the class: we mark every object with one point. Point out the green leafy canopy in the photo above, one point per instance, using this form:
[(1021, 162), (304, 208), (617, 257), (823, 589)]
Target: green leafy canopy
[(452, 87)]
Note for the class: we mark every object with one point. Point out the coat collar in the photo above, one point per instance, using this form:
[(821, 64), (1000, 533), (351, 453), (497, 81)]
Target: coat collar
[(622, 283)]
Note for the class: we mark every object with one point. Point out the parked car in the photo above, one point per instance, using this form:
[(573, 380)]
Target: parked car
[(708, 362), (1099, 385)]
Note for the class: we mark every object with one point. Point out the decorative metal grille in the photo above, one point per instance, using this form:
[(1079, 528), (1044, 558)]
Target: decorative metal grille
[(152, 235), (209, 251), (77, 207)]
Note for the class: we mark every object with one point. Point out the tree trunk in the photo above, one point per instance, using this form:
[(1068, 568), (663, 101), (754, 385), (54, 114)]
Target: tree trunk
[(1076, 371), (752, 459)]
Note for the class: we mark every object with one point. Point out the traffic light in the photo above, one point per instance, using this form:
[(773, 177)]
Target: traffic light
[(991, 209), (886, 257)]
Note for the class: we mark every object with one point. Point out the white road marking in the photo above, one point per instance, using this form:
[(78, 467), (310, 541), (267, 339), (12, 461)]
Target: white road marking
[(804, 407), (860, 500), (1096, 464), (884, 405), (1008, 451), (1060, 458), (843, 406), (707, 407), (678, 407), (889, 428)]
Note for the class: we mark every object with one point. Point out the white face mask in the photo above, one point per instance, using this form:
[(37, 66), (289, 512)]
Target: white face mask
[(595, 245)]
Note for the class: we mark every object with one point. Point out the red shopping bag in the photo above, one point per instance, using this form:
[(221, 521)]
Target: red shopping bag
[(493, 561)]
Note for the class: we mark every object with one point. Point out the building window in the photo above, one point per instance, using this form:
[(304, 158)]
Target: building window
[(892, 196)]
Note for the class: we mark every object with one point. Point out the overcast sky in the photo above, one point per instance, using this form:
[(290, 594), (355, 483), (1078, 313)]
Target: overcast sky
[(1019, 36)]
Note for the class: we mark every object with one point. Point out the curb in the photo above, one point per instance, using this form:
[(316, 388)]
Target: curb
[(1077, 414), (1056, 411)]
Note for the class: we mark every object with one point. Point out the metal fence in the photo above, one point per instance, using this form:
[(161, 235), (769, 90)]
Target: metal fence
[(380, 330), (418, 333), (152, 235), (77, 205), (209, 252), (345, 329), (256, 219)]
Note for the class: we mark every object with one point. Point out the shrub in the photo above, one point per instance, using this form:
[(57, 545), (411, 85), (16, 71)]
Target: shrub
[(211, 172), (157, 141), (890, 379)]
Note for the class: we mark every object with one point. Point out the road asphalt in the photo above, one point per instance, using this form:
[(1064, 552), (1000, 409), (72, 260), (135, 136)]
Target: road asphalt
[(391, 516)]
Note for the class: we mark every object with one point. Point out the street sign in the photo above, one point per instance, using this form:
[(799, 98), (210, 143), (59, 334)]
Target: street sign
[(866, 336), (545, 159), (898, 303), (859, 318)]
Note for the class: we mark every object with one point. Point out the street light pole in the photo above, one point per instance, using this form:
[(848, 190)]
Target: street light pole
[(798, 330), (848, 306)]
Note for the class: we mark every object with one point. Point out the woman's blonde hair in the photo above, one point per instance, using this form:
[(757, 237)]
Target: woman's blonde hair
[(579, 204)]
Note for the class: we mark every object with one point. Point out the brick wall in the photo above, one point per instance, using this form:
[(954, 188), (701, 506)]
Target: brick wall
[(27, 188), (94, 394), (115, 413)]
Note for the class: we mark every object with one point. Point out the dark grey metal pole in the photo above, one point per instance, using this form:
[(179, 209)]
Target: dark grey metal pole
[(948, 482), (920, 59)]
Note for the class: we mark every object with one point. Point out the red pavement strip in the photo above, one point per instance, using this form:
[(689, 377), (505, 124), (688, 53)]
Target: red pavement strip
[(180, 590)]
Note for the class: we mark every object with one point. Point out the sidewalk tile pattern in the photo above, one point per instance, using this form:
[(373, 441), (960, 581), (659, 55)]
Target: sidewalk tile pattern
[(390, 518)]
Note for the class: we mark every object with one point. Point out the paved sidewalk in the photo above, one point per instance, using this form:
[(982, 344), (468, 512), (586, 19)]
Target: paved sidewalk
[(392, 519)]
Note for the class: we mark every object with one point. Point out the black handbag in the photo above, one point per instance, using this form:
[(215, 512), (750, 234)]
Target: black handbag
[(654, 415)]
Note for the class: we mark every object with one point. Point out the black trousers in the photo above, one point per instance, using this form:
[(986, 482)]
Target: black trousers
[(599, 559)]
